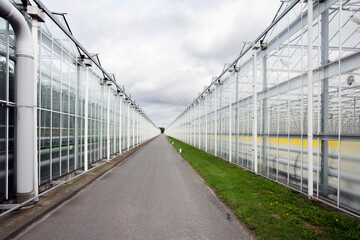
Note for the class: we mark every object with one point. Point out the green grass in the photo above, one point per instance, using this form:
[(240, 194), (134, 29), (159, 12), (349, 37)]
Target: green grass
[(269, 210)]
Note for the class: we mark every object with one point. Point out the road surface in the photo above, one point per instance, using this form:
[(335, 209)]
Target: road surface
[(154, 194)]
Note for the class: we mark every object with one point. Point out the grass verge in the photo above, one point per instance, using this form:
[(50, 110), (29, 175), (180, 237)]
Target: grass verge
[(268, 209)]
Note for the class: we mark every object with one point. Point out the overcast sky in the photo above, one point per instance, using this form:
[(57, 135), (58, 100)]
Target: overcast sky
[(165, 51)]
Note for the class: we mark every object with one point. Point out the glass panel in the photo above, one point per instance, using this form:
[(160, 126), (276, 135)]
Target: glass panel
[(56, 147), (65, 88), (56, 79), (45, 78), (64, 144), (45, 146), (3, 116), (3, 84), (72, 144), (12, 118)]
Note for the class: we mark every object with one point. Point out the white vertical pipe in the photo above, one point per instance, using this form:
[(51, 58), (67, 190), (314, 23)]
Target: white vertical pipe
[(310, 99), (254, 126), (86, 116)]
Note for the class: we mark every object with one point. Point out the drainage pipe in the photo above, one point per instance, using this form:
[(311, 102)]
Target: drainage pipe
[(26, 108)]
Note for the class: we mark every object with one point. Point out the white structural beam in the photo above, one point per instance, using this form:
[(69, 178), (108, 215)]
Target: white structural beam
[(120, 123), (310, 99), (254, 102), (108, 124), (128, 126), (215, 120), (86, 119), (133, 126), (206, 122), (199, 128), (230, 115)]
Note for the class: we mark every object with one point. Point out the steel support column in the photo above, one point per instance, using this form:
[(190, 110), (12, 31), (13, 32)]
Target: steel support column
[(128, 126), (108, 125), (199, 128), (206, 123), (86, 118), (133, 127), (230, 113), (215, 120), (264, 116), (120, 125), (254, 124), (310, 98), (237, 119), (324, 172)]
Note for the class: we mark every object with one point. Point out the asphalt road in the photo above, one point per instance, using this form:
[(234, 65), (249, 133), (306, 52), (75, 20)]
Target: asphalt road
[(154, 194)]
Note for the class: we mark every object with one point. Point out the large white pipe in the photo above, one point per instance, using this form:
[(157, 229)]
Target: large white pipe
[(24, 73)]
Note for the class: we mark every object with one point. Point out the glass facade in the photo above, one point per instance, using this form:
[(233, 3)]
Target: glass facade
[(7, 111), (256, 113), (62, 77)]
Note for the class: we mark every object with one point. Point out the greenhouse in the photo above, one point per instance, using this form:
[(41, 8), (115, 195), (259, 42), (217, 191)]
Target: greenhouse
[(64, 114), (288, 107)]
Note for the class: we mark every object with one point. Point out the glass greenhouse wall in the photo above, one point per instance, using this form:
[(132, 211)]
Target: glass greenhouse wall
[(288, 108), (65, 71)]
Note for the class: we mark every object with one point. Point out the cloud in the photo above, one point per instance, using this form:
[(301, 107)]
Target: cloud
[(165, 51)]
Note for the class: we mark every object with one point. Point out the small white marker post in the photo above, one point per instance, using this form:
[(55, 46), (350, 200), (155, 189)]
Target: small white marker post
[(180, 150)]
